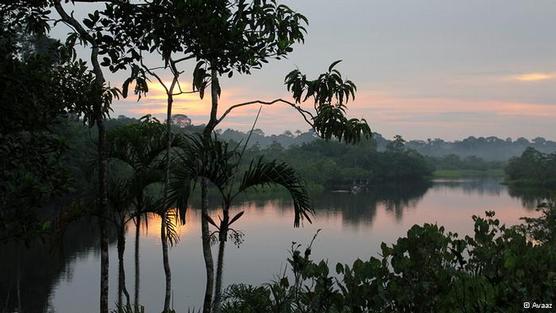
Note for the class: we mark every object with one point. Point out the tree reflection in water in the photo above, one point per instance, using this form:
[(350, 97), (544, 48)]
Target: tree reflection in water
[(30, 271), (43, 265)]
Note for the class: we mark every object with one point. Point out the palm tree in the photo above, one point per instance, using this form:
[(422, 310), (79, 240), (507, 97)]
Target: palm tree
[(142, 149), (119, 200), (212, 160)]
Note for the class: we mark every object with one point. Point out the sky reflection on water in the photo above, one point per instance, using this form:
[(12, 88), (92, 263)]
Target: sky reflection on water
[(353, 226)]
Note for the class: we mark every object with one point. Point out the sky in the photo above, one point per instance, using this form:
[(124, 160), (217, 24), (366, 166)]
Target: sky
[(424, 69)]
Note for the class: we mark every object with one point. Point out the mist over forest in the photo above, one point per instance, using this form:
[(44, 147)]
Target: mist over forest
[(490, 148)]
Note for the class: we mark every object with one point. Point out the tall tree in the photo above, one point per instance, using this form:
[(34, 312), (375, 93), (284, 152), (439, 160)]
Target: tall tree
[(141, 29), (213, 160), (140, 149), (34, 101), (101, 97), (42, 83), (227, 37)]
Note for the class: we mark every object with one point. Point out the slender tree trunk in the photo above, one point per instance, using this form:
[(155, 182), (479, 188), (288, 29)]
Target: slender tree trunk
[(102, 197), (102, 208), (165, 261), (205, 232), (122, 290), (120, 270), (164, 224), (219, 272), (207, 253), (220, 265), (137, 273)]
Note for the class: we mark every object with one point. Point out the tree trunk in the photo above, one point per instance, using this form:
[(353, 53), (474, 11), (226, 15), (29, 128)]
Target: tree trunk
[(166, 263), (102, 208), (220, 264), (122, 290), (104, 266), (120, 270), (207, 253), (137, 236), (102, 196), (205, 232), (219, 272), (164, 224)]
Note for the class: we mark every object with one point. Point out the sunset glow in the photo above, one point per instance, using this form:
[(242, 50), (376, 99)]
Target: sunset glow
[(532, 77)]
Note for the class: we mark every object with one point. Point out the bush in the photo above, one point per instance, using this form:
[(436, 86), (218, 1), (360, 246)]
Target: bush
[(429, 270)]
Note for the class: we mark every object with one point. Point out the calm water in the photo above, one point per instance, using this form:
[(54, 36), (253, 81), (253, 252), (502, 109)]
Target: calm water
[(353, 226)]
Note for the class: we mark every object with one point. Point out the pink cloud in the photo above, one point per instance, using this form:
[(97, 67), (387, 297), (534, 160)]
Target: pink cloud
[(413, 117)]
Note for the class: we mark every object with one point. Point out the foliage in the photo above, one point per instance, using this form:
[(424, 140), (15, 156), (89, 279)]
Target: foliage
[(216, 161), (207, 159), (332, 165), (330, 94), (249, 34), (494, 270), (455, 162), (533, 168), (41, 75), (137, 153)]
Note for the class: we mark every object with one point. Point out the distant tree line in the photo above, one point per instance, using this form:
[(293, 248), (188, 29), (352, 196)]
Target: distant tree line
[(454, 166), (532, 168), (486, 148), (329, 165), (323, 164)]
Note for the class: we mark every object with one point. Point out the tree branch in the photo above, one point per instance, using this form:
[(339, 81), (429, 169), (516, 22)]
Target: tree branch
[(70, 20), (183, 93), (304, 113), (73, 23), (187, 57), (153, 74)]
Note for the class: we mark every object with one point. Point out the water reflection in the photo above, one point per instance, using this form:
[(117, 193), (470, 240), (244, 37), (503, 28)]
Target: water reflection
[(66, 281), (360, 209), (531, 197), (30, 271), (486, 186)]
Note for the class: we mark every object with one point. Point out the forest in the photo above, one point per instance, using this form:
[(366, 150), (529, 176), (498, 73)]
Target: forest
[(532, 168), (487, 148), (69, 169)]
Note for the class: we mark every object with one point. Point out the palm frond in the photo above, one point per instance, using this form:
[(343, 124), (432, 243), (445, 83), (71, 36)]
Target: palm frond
[(119, 197), (199, 157), (179, 189), (263, 174), (171, 227)]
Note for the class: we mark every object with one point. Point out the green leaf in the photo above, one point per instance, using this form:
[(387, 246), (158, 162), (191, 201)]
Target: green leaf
[(333, 65)]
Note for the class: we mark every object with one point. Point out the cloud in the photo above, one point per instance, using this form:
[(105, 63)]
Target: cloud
[(533, 77), (390, 113)]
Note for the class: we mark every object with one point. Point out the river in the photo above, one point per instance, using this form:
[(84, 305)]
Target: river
[(352, 226)]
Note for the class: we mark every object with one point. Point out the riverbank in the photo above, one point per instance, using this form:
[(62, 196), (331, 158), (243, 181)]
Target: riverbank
[(498, 172)]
